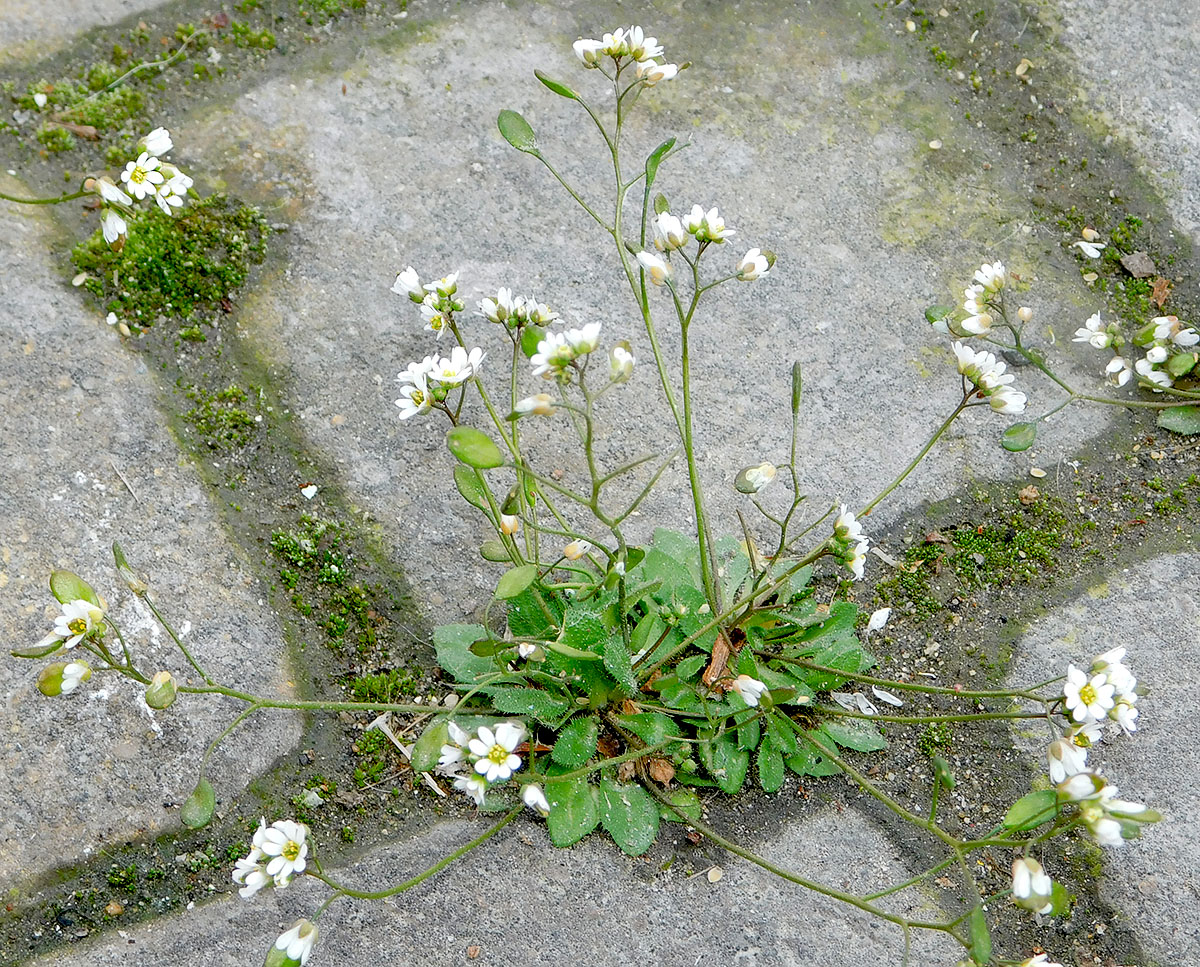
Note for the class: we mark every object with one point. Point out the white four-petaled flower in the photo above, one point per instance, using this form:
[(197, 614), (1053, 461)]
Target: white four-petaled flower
[(1031, 887), (753, 265), (297, 943), (142, 176), (1087, 699)]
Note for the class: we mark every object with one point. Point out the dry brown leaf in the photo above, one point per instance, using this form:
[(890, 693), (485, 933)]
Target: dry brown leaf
[(625, 771), (717, 667), (83, 130), (1029, 495), (661, 770), (1158, 294)]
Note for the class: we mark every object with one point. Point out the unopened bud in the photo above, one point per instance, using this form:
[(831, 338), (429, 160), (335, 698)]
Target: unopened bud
[(293, 947), (540, 405), (510, 523), (1090, 235), (1024, 313), (576, 549), (620, 362), (63, 677), (161, 691), (753, 479)]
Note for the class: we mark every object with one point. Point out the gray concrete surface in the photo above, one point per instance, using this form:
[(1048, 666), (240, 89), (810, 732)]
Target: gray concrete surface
[(81, 411), (588, 904), (1150, 610), (32, 29)]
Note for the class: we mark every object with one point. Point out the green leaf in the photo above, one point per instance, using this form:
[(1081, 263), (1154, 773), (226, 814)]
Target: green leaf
[(428, 748), (655, 159), (1060, 900), (661, 204), (495, 551), (517, 132), (487, 647), (725, 762), (67, 587), (797, 384), (943, 773), (473, 447), (515, 580), (470, 484), (1018, 437), (748, 735), (981, 940), (38, 652), (770, 768), (560, 89), (619, 664), (780, 734), (527, 615), (686, 801), (1032, 809), (583, 628), (574, 810), (530, 338), (529, 702), (935, 313), (577, 742), (452, 645), (629, 815), (857, 734), (808, 761), (1181, 419), (651, 727), (197, 809), (1181, 364)]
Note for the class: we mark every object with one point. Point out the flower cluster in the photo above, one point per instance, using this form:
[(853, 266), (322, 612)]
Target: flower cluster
[(425, 385), (1108, 690), (515, 311), (986, 373), (558, 353), (1110, 820), (850, 543), (436, 299), (977, 298), (671, 234), (625, 46), (1169, 346), (278, 852), (491, 753), (147, 176)]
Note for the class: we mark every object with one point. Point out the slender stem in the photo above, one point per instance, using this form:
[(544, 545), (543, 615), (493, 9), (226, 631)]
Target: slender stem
[(45, 201), (837, 710), (212, 746), (915, 686), (171, 631), (425, 874)]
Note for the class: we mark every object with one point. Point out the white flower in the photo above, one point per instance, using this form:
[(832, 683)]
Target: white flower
[(1085, 735), (585, 340), (1156, 354), (157, 142), (1161, 379), (707, 226), (589, 51), (297, 943), (535, 312), (576, 549), (669, 233), (251, 872), (541, 404), (1066, 759), (1118, 371), (987, 373), (1094, 333), (751, 689), (415, 398), (456, 368), (1005, 399), (754, 265), (615, 44), (974, 300), (847, 526), (756, 478), (409, 283), (445, 287), (991, 277), (495, 758), (1125, 715), (620, 363), (553, 357), (111, 319), (473, 786), (79, 619), (110, 192), (112, 225), (500, 309), (75, 672), (526, 648), (450, 757), (657, 268), (535, 799), (178, 181), (510, 523), (977, 325), (641, 46), (856, 558), (167, 198), (417, 371), (435, 319), (1081, 786), (1087, 699), (1090, 249), (142, 176), (1031, 887), (1113, 668), (1041, 960), (284, 842), (651, 72)]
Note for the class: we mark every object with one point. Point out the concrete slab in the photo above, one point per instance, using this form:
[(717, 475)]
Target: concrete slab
[(30, 29), (87, 459), (1151, 610)]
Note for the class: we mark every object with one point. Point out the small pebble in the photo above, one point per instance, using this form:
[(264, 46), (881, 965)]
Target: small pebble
[(1037, 472)]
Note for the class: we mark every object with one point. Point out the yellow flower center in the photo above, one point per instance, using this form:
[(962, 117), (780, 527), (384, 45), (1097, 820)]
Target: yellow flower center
[(1087, 694), (77, 627), (138, 174), (291, 850), (498, 755), (418, 397)]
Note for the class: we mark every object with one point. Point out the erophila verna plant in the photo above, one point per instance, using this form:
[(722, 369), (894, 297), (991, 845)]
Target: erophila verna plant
[(613, 681)]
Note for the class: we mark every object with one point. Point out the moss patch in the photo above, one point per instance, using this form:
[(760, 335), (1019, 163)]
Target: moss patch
[(222, 418)]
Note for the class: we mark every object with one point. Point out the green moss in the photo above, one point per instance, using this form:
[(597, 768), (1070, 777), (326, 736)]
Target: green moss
[(55, 138), (935, 739), (385, 687), (220, 418), (122, 877), (246, 36), (175, 266), (375, 753)]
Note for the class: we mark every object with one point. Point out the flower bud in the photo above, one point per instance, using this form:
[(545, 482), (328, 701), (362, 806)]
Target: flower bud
[(157, 142), (1031, 887), (535, 799), (409, 283), (541, 404), (62, 678), (510, 523), (658, 269), (1024, 313), (753, 479), (576, 549), (620, 362), (161, 691), (294, 946)]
